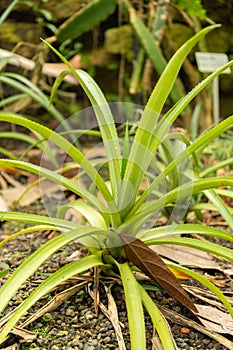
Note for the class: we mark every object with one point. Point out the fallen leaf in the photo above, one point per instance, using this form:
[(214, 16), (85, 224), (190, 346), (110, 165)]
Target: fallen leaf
[(112, 314), (156, 343), (214, 319), (25, 195), (50, 69), (11, 195), (186, 256), (3, 205), (152, 265), (205, 296), (54, 303), (228, 271), (184, 321), (9, 179), (23, 333), (12, 170), (178, 274)]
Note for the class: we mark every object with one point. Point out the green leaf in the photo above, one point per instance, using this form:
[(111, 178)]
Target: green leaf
[(85, 19), (105, 121), (167, 79), (170, 117), (31, 264), (134, 308), (208, 247), (199, 143), (74, 153), (7, 153), (137, 72), (152, 49), (150, 208), (28, 230), (55, 279), (158, 320), (31, 90), (57, 178), (38, 142), (213, 195), (222, 208), (206, 283), (8, 10), (143, 148), (59, 79), (215, 167), (12, 99), (107, 127), (64, 225), (4, 269), (225, 193), (126, 150), (193, 8), (92, 216), (207, 206), (21, 137), (163, 231)]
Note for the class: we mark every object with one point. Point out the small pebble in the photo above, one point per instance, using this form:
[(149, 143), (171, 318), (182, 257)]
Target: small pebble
[(185, 330), (89, 317), (107, 340), (70, 312), (76, 340), (94, 342), (88, 347), (53, 331), (96, 332), (54, 347)]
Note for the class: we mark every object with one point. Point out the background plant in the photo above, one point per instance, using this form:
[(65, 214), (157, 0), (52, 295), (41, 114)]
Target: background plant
[(116, 233), (152, 42)]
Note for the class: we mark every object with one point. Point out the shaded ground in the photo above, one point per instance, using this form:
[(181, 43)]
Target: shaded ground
[(70, 316), (72, 322)]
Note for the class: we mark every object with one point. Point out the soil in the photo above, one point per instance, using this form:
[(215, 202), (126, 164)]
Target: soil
[(75, 323)]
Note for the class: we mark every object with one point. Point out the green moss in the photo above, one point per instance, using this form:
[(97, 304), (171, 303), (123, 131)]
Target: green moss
[(42, 331), (15, 33), (9, 34), (179, 33), (62, 9), (119, 41), (219, 42)]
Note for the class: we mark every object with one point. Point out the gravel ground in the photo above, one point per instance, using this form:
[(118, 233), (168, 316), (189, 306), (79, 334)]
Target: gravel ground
[(74, 324)]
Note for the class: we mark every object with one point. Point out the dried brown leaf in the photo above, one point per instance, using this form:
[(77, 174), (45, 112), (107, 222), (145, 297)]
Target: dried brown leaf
[(3, 205), (215, 320), (182, 320), (54, 303), (112, 314), (26, 335), (151, 264), (12, 194), (186, 255), (23, 333)]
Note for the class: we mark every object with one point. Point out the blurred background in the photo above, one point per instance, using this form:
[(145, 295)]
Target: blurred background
[(123, 44)]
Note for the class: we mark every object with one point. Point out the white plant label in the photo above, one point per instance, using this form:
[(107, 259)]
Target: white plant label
[(209, 62)]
